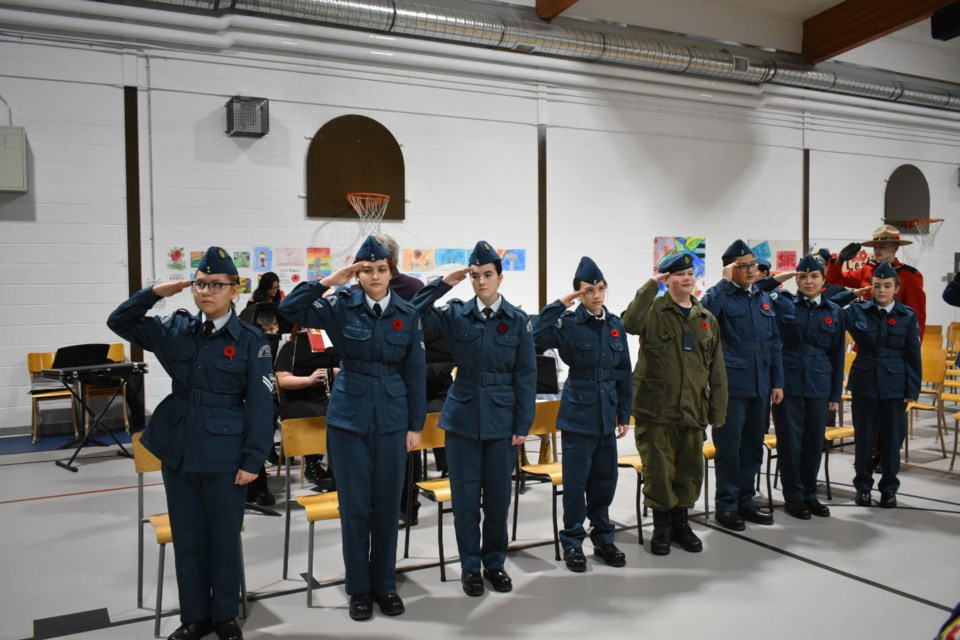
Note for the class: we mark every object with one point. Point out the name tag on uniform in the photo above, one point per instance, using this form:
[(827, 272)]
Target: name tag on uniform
[(688, 342)]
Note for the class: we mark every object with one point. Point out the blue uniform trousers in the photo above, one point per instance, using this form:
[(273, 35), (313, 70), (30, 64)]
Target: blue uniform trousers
[(800, 424), (886, 418), (739, 452), (480, 472), (589, 482), (369, 468), (206, 514)]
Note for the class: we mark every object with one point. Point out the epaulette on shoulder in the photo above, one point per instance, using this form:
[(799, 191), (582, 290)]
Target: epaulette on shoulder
[(906, 267), (257, 331), (567, 313)]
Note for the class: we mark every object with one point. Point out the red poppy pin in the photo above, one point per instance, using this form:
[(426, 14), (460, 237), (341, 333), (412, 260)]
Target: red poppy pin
[(502, 328), (892, 321), (398, 324), (614, 333), (828, 320), (705, 325), (229, 351), (766, 307)]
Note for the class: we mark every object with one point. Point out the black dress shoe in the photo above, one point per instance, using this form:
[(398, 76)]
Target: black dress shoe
[(266, 499), (610, 554), (797, 510), (756, 515), (575, 560), (472, 583), (390, 604), (414, 520), (863, 498), (228, 630), (817, 508), (193, 630), (888, 500), (361, 606), (499, 580), (730, 519)]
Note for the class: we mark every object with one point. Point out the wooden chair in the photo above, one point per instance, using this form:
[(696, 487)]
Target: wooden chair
[(709, 453), (934, 367), (145, 462), (545, 422), (117, 353), (956, 434), (770, 444), (304, 437), (833, 438), (41, 390), (436, 490), (636, 463)]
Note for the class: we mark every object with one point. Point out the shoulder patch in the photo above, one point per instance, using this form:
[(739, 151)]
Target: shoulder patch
[(774, 295), (264, 351), (560, 322), (529, 326)]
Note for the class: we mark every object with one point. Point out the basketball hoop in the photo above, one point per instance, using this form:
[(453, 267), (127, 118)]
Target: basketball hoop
[(925, 229), (370, 208)]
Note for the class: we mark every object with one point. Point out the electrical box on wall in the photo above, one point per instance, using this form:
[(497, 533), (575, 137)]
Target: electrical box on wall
[(13, 159)]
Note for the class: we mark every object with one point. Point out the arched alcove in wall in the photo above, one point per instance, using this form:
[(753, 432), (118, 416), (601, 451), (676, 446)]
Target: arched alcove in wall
[(907, 197)]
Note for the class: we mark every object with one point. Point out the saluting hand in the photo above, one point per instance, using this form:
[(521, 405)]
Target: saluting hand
[(569, 299), (456, 277), (728, 272), (786, 275), (244, 477), (167, 289), (859, 292), (622, 430), (343, 275), (660, 277)]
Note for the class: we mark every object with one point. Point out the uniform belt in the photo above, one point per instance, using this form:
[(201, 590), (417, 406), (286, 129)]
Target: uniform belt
[(597, 374), (484, 378), (883, 352), (753, 347), (200, 398), (809, 348), (369, 368)]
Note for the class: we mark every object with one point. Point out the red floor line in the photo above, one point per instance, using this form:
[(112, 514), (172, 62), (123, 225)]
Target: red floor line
[(78, 493)]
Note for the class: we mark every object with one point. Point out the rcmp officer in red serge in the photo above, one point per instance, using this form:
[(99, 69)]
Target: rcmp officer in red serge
[(488, 410), (751, 354), (813, 337), (376, 412), (212, 433), (885, 375), (594, 410)]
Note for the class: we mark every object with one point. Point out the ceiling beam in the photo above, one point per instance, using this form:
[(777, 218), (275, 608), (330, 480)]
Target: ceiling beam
[(550, 9), (853, 23)]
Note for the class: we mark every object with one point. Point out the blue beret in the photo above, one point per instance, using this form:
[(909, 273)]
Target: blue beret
[(676, 262), (217, 260), (588, 271), (809, 264), (763, 265), (884, 270), (483, 253), (737, 249), (372, 250)]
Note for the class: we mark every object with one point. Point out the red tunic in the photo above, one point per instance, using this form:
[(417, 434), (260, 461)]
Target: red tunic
[(911, 285)]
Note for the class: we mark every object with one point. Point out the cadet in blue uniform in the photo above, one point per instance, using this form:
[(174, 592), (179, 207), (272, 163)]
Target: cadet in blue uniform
[(488, 411), (885, 375), (751, 354), (376, 412), (594, 410), (212, 433), (813, 338)]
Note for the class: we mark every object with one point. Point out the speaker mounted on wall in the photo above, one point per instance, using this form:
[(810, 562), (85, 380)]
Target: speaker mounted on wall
[(248, 117)]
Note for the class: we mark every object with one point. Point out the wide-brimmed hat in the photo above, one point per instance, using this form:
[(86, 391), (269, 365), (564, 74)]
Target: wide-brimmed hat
[(886, 233)]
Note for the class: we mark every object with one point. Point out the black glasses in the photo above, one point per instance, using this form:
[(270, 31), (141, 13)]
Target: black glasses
[(746, 267), (215, 287)]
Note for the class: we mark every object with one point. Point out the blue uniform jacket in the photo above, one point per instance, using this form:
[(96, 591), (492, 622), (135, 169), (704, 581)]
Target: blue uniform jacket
[(951, 293), (219, 416), (751, 341), (383, 363), (813, 343), (494, 393), (888, 363), (598, 391)]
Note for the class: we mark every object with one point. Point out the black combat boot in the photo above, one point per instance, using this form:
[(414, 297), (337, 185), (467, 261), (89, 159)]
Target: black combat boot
[(662, 533), (682, 533)]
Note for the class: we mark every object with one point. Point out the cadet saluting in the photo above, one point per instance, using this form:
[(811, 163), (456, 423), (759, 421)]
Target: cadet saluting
[(376, 412), (594, 410), (212, 433), (488, 411)]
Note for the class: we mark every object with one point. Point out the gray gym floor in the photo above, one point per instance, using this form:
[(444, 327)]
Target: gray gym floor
[(69, 549)]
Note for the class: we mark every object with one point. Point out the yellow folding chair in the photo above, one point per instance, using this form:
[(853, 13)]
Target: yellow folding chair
[(709, 453), (117, 353), (833, 438), (545, 422), (636, 463), (41, 390), (934, 368)]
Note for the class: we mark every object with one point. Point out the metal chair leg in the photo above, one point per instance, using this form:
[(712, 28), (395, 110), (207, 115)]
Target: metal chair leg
[(243, 583), (156, 615), (556, 530), (286, 524), (516, 501), (443, 565), (826, 469), (310, 568)]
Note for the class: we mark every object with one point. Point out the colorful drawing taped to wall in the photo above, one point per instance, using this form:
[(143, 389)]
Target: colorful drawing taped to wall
[(319, 263), (290, 277), (262, 259), (196, 255), (418, 259), (289, 257), (696, 246), (241, 259), (455, 257), (176, 259), (786, 261), (762, 251), (513, 259), (244, 285)]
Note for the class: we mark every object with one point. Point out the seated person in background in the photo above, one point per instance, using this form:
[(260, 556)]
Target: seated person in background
[(303, 394), (268, 290), (268, 322)]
